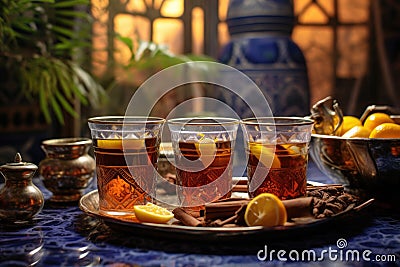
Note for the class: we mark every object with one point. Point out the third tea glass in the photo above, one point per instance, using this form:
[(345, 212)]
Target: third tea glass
[(277, 150)]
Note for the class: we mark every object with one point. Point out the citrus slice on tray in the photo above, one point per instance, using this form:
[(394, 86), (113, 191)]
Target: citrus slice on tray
[(152, 213), (265, 210)]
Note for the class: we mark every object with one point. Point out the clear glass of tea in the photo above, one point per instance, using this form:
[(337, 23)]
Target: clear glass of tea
[(203, 149), (126, 150), (277, 155)]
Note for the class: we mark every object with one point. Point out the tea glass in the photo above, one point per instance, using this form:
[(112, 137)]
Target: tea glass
[(203, 149), (126, 150), (277, 151)]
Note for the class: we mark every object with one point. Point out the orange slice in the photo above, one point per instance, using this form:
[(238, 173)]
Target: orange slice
[(386, 130), (152, 213), (265, 210), (265, 155)]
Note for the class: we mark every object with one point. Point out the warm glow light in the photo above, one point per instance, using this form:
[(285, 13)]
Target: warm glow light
[(126, 25), (319, 44), (99, 37), (136, 6), (353, 11), (198, 30), (316, 44), (313, 15), (172, 8), (223, 32), (169, 32)]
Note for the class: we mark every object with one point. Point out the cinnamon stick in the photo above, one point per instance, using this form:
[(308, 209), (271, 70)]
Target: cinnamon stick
[(298, 207), (239, 188), (223, 209), (320, 187), (185, 218)]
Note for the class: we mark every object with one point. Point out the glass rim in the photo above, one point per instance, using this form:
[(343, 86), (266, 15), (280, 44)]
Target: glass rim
[(214, 121), (125, 120), (285, 121)]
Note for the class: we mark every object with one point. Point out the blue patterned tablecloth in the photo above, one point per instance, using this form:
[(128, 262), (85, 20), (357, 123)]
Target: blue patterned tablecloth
[(65, 236)]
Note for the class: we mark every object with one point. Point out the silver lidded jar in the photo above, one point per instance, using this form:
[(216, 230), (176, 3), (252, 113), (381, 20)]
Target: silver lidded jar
[(20, 199), (67, 169)]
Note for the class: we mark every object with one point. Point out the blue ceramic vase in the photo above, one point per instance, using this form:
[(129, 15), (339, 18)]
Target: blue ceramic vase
[(262, 48)]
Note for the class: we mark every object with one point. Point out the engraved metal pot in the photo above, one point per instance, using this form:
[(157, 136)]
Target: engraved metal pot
[(365, 166), (67, 169), (20, 199)]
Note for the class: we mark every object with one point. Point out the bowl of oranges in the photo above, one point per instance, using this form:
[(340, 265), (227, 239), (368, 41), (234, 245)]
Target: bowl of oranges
[(363, 153)]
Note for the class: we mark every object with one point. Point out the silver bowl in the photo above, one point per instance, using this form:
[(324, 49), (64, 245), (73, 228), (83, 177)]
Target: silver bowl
[(368, 167)]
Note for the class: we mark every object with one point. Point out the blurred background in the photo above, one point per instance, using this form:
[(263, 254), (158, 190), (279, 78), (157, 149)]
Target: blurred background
[(351, 47)]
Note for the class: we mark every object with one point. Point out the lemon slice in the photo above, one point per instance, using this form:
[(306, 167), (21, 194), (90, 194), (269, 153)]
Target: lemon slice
[(152, 213), (291, 149), (118, 143), (265, 210), (265, 155), (207, 150)]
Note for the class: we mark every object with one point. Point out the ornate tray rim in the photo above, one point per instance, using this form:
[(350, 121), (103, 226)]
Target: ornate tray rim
[(181, 232)]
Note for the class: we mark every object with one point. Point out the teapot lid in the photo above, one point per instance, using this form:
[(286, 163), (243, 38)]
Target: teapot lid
[(18, 165)]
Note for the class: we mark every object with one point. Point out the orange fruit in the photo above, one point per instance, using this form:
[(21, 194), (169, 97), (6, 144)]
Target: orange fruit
[(386, 130), (376, 119), (357, 131), (152, 213), (265, 210), (265, 155), (348, 123)]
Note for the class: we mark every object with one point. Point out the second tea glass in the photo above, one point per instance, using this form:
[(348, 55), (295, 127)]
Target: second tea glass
[(203, 149), (277, 150)]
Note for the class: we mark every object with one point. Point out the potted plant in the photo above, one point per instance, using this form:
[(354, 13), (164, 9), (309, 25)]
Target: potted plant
[(42, 78), (40, 54), (145, 58)]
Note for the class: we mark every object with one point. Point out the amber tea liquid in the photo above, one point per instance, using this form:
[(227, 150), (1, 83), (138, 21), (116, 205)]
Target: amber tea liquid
[(192, 180), (125, 176), (287, 176)]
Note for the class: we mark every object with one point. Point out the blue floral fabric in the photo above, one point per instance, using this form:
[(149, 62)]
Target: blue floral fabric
[(65, 236)]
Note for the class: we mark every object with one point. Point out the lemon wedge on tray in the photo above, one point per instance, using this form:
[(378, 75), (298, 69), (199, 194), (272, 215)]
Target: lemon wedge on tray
[(152, 213), (265, 210)]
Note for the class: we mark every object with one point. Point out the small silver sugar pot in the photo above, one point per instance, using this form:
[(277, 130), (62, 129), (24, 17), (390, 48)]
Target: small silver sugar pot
[(20, 199)]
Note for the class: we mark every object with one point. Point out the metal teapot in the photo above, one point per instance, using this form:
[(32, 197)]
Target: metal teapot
[(20, 199)]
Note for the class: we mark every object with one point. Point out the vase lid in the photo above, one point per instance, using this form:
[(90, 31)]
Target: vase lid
[(260, 16)]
